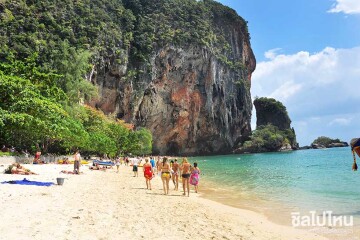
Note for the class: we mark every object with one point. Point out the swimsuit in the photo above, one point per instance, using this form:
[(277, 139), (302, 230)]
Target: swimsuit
[(165, 174), (76, 165), (194, 178), (185, 175), (147, 173)]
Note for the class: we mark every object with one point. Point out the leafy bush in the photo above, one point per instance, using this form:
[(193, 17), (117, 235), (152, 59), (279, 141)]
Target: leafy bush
[(325, 141), (267, 139)]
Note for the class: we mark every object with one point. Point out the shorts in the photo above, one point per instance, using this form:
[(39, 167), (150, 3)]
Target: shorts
[(76, 165), (186, 175), (135, 168)]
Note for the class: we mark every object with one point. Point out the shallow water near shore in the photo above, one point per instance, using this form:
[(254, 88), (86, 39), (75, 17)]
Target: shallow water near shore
[(277, 184)]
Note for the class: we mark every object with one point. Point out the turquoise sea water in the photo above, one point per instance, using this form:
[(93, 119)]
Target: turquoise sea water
[(305, 180)]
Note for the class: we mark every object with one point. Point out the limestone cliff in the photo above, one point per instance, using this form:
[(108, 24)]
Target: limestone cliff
[(194, 99), (270, 111), (273, 112)]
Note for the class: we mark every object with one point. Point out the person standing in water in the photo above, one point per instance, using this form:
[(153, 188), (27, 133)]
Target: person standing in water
[(77, 157), (165, 175), (175, 175), (148, 173), (194, 177), (185, 174)]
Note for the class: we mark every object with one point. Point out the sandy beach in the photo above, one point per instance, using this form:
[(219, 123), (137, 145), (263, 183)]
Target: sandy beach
[(110, 205)]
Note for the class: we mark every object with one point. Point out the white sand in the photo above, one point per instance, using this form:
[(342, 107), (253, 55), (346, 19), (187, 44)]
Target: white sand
[(110, 205)]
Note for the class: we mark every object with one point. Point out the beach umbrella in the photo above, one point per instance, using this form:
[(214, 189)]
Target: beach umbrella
[(355, 148)]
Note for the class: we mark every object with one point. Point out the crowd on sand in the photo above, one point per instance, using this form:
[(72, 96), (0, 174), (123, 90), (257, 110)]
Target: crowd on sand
[(164, 167), (168, 170)]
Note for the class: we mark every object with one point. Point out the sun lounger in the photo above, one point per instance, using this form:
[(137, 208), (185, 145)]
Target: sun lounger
[(103, 163)]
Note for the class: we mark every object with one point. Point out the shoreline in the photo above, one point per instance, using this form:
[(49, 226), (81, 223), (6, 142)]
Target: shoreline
[(271, 210), (110, 205)]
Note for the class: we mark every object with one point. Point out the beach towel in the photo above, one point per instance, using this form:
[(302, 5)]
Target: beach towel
[(28, 182)]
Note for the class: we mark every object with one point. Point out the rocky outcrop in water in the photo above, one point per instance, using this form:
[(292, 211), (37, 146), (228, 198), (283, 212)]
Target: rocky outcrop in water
[(270, 111)]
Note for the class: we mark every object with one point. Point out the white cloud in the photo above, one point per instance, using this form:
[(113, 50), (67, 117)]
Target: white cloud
[(286, 90), (272, 53), (341, 121), (313, 87), (346, 6)]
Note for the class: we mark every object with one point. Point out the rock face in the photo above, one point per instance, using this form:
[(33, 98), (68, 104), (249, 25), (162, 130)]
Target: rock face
[(192, 102), (270, 111)]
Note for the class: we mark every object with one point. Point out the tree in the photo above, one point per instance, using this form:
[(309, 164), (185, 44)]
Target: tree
[(29, 119)]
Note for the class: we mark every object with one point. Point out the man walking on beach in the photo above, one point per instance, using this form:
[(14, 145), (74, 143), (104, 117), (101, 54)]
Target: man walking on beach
[(135, 162), (77, 162)]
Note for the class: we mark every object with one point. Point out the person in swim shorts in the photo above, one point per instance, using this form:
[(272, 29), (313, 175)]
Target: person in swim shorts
[(135, 162), (185, 174), (77, 158)]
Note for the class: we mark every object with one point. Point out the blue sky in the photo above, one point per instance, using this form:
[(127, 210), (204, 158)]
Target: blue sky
[(308, 57)]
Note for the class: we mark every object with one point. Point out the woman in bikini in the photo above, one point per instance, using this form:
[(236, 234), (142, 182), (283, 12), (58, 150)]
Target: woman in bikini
[(165, 175), (175, 174), (148, 173), (185, 174), (16, 168), (194, 177)]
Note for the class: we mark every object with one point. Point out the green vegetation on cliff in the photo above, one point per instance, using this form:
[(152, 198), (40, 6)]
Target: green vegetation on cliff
[(268, 138), (271, 111), (273, 131), (108, 29), (48, 54), (325, 141), (36, 113)]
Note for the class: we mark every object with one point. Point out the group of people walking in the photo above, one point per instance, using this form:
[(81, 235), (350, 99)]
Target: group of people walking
[(173, 170)]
